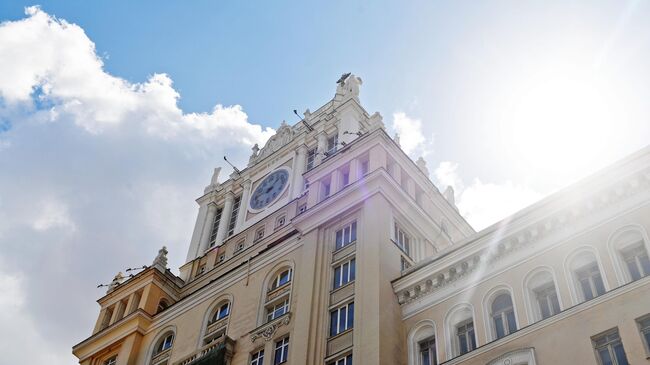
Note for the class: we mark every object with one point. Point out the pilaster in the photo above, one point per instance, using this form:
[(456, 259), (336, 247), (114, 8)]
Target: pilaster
[(225, 218), (207, 229), (241, 217), (299, 165)]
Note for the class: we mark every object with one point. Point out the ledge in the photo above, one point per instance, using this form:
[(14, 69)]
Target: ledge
[(267, 330)]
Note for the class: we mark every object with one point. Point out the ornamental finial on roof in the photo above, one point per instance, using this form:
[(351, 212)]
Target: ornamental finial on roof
[(422, 165), (117, 280), (160, 262)]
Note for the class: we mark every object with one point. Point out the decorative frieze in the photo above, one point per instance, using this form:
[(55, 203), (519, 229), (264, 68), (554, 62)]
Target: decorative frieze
[(268, 330), (525, 237)]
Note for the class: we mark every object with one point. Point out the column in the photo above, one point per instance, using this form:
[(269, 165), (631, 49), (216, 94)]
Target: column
[(207, 229), (225, 218), (299, 165), (193, 251), (241, 217), (322, 147)]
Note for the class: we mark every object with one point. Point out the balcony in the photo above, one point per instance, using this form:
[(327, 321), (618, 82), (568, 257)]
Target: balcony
[(218, 352)]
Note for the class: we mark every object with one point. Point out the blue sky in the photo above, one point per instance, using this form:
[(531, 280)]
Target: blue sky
[(113, 114)]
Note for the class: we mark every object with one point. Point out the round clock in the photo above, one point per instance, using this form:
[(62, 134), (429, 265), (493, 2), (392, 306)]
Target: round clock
[(269, 189)]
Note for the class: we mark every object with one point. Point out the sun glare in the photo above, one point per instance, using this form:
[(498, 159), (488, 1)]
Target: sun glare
[(560, 126)]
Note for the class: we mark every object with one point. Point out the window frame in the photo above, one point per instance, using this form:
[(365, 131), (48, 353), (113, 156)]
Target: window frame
[(402, 239), (282, 345), (346, 239), (470, 339), (502, 316), (643, 325), (609, 345), (348, 273), (257, 357), (215, 227), (272, 309), (336, 327), (343, 360), (431, 349), (236, 205)]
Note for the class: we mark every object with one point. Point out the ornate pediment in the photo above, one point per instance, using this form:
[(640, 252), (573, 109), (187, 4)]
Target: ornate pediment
[(282, 137)]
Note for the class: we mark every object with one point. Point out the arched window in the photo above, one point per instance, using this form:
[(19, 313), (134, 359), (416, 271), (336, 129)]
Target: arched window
[(422, 344), (629, 248), (277, 294), (584, 274), (218, 320), (162, 305), (459, 328), (162, 349), (541, 294), (502, 313)]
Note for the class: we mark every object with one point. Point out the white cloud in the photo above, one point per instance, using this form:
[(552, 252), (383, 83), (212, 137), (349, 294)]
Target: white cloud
[(53, 214), (86, 152), (410, 132), (483, 204), (68, 76)]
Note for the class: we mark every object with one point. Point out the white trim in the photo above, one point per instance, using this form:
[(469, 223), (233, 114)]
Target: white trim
[(517, 357), (414, 339), (570, 275), (613, 247), (488, 298), (450, 328), (531, 304)]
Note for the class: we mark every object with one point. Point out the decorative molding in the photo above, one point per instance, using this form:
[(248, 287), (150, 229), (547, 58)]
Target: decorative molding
[(282, 137), (532, 233), (267, 331)]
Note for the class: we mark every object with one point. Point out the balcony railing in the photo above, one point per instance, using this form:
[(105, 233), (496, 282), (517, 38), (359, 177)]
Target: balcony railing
[(218, 352)]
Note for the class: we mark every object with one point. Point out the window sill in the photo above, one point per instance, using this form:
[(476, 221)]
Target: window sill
[(342, 287)]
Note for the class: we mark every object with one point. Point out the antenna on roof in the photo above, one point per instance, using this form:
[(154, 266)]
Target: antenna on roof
[(231, 165), (302, 120)]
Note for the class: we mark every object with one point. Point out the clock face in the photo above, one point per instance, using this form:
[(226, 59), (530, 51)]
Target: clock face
[(269, 189)]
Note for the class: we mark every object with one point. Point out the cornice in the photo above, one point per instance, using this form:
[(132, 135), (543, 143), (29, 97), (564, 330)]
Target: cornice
[(452, 266)]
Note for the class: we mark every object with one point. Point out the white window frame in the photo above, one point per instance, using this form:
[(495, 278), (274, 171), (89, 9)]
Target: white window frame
[(338, 327), (257, 357), (608, 345), (277, 280), (283, 346), (344, 272), (311, 158), (343, 360), (643, 323), (273, 308), (402, 239), (348, 233)]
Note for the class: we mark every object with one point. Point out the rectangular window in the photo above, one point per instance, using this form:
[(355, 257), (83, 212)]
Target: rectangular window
[(279, 222), (332, 144), (364, 167), (609, 348), (277, 310), (341, 319), (233, 216), (345, 178), (257, 358), (221, 258), (201, 270), (637, 261), (404, 264), (547, 301), (302, 208), (281, 351), (325, 189), (215, 227), (465, 336), (644, 327), (591, 283), (403, 240), (344, 273), (111, 361), (346, 235), (427, 350), (311, 158), (346, 360), (259, 234)]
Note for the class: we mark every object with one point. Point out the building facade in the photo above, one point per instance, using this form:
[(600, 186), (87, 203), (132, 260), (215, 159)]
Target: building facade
[(332, 246)]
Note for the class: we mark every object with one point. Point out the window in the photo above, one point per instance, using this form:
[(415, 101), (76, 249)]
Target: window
[(344, 273), (311, 158), (221, 258), (547, 302), (364, 167), (221, 313), (636, 260), (201, 270), (257, 358), (302, 208), (402, 240), (345, 178), (281, 279), (644, 327), (609, 348), (332, 143), (404, 264), (281, 351), (346, 235), (325, 188), (277, 310), (233, 216), (465, 337), (215, 227), (279, 222), (427, 352), (111, 361), (259, 234), (346, 360), (590, 281), (341, 319), (503, 316), (164, 343), (240, 246)]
